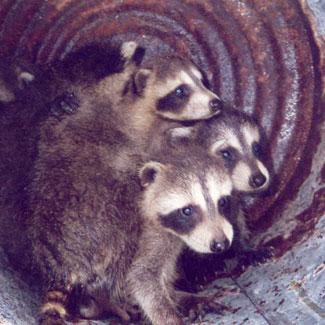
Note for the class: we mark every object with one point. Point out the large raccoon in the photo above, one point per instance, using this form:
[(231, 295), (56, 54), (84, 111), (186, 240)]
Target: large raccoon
[(138, 99), (76, 189), (90, 231)]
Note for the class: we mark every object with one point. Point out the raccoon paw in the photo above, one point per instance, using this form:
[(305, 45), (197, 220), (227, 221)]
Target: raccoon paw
[(67, 103), (195, 306), (134, 312), (125, 312), (51, 317), (255, 256)]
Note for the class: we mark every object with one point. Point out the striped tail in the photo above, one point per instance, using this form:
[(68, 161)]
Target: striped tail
[(53, 310)]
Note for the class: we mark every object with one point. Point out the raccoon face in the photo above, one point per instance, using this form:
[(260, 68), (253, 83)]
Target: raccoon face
[(191, 203), (175, 90), (242, 151), (183, 96), (237, 140)]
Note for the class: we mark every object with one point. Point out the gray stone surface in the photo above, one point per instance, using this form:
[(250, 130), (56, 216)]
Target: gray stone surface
[(287, 291), (318, 9)]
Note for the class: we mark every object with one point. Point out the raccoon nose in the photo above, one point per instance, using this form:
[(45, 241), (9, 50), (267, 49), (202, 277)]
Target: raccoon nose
[(219, 247), (216, 105), (257, 180)]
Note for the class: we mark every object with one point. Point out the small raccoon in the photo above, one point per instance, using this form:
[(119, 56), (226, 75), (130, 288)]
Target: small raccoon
[(170, 87), (238, 139), (185, 203), (100, 236)]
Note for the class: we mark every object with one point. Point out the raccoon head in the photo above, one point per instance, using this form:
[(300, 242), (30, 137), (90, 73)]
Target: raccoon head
[(191, 200), (237, 139), (175, 90)]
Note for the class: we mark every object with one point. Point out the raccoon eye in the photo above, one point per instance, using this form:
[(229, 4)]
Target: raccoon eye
[(227, 155), (257, 149), (224, 204), (187, 211), (181, 91)]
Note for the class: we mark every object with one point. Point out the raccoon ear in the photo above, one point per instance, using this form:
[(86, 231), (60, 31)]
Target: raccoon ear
[(128, 49), (180, 136), (132, 52), (149, 172), (140, 79)]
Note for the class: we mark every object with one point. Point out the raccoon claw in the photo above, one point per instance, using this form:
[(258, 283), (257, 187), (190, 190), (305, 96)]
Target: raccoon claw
[(255, 257), (195, 307), (125, 312), (66, 103), (203, 308), (134, 313)]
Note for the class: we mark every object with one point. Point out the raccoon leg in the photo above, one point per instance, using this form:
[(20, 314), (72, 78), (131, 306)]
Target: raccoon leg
[(154, 302), (197, 305), (53, 310), (97, 310), (151, 276), (246, 254)]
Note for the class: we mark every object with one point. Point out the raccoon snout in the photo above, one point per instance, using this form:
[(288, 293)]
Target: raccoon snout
[(219, 247), (257, 180), (216, 105)]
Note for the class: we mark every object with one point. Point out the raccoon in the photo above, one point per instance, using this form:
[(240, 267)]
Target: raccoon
[(169, 87), (185, 203), (238, 139), (93, 235), (139, 99)]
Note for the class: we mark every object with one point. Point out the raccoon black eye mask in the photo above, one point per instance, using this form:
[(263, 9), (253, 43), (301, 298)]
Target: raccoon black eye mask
[(182, 221), (175, 100)]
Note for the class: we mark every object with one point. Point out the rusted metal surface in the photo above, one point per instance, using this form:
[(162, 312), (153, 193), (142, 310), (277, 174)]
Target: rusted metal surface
[(261, 53), (265, 59)]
